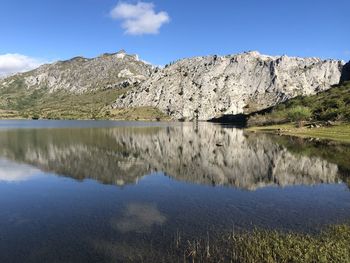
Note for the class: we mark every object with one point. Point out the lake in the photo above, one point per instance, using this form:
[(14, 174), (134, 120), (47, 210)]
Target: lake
[(103, 191)]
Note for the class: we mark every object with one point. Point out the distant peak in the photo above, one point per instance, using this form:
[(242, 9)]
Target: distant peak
[(78, 58), (253, 53), (122, 51)]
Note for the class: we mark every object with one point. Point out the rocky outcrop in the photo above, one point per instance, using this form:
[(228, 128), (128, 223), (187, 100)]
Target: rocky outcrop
[(79, 75), (209, 87), (345, 76)]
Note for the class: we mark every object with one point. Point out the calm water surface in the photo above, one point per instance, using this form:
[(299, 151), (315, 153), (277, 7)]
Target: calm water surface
[(89, 191)]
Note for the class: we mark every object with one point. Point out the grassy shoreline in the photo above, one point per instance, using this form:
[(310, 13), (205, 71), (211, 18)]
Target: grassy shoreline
[(330, 245), (247, 246), (339, 132), (125, 114)]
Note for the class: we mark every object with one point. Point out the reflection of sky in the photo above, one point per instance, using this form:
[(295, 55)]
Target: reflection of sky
[(13, 172), (139, 217)]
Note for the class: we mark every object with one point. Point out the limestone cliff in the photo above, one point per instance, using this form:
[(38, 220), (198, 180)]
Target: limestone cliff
[(195, 88), (209, 87)]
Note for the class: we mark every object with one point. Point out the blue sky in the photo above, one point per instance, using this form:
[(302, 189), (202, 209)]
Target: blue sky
[(173, 29)]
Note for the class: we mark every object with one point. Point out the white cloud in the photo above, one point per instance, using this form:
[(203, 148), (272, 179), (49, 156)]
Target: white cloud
[(140, 18), (14, 63)]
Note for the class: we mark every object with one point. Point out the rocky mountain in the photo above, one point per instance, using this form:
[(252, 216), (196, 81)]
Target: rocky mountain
[(118, 85), (79, 88), (79, 74), (210, 87)]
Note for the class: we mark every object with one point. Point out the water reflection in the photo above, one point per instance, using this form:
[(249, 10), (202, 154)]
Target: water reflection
[(13, 172), (56, 218), (204, 154), (139, 217)]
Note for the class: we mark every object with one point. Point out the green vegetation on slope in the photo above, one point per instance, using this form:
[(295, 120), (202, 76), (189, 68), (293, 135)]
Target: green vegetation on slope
[(139, 113), (16, 101), (39, 103), (330, 105)]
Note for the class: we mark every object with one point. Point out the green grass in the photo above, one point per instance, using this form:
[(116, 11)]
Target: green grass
[(40, 103), (330, 105), (258, 246), (16, 101), (61, 105), (140, 113), (332, 245), (338, 132), (269, 246)]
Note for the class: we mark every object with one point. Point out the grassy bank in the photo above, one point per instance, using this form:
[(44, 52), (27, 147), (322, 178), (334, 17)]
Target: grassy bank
[(257, 246), (331, 245), (325, 115), (329, 105), (338, 132)]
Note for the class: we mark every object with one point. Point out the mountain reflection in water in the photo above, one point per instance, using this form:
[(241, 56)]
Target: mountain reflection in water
[(164, 173), (202, 154)]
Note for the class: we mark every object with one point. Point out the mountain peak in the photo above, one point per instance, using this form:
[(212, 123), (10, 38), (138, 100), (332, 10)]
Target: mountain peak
[(253, 53), (122, 51)]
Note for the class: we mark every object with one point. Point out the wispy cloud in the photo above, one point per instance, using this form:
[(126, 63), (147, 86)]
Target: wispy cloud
[(14, 63), (140, 18), (347, 52)]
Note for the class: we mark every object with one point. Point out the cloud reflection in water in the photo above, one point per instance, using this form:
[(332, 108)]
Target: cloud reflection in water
[(14, 172), (139, 217)]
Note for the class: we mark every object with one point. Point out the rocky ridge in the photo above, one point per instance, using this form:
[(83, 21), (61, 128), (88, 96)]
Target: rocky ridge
[(200, 88), (79, 74), (214, 86)]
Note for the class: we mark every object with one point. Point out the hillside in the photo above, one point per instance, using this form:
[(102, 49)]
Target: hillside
[(329, 105), (78, 88)]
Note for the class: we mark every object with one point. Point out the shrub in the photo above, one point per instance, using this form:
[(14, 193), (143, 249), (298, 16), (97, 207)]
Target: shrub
[(299, 114)]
